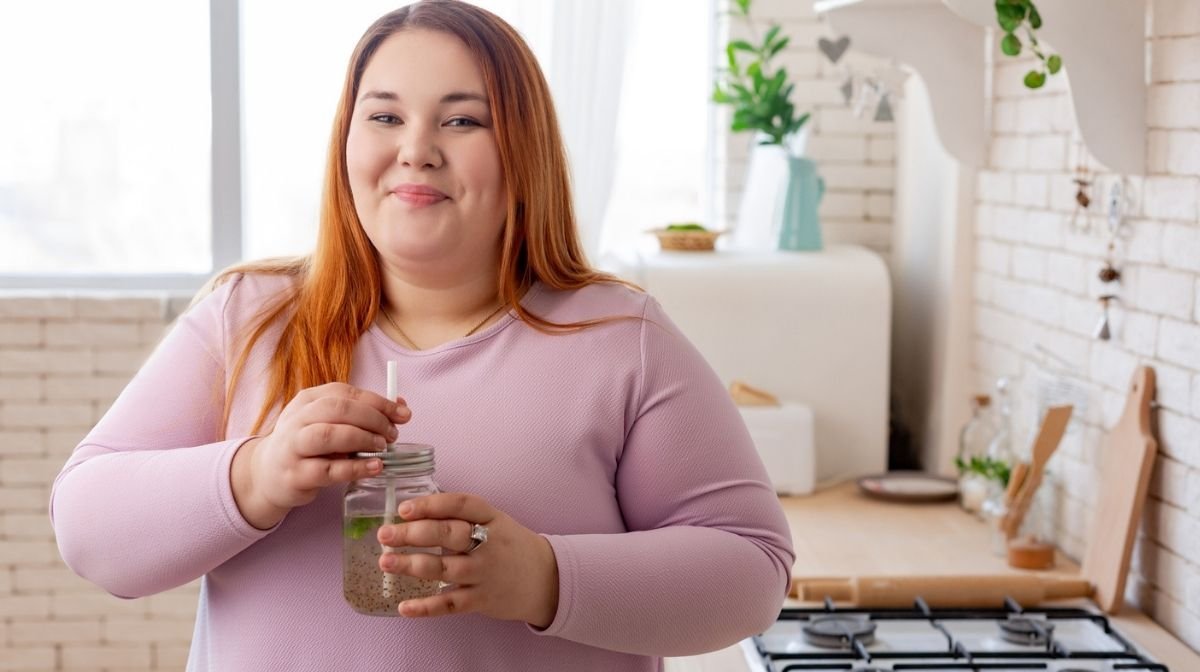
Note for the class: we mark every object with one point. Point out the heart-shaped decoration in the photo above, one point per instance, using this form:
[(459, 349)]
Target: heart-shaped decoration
[(834, 50)]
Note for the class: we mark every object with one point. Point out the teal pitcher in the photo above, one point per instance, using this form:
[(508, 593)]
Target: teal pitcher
[(799, 226)]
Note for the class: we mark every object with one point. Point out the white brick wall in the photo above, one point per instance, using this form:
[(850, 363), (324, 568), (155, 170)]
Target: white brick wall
[(1048, 153), (1177, 59), (1170, 197), (63, 360), (856, 156), (1041, 286), (1181, 246), (1171, 104)]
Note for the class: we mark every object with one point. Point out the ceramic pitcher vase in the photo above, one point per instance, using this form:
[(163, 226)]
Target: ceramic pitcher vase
[(799, 225)]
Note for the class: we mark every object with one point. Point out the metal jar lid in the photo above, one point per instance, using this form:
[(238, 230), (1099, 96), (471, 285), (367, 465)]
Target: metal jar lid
[(406, 458)]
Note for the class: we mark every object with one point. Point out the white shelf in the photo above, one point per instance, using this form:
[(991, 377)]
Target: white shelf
[(943, 48), (1102, 44)]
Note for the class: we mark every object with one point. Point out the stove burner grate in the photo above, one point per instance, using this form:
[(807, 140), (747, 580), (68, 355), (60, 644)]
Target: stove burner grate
[(839, 631), (836, 639), (1022, 629)]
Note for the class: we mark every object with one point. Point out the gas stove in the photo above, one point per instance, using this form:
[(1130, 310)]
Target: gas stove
[(963, 640)]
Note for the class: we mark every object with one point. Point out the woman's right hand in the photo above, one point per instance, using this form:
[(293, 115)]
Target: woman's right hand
[(308, 449)]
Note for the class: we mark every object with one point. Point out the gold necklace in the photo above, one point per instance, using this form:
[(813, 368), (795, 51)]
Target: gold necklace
[(412, 343)]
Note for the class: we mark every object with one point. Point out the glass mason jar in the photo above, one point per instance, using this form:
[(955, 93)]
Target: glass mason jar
[(1040, 524), (372, 502)]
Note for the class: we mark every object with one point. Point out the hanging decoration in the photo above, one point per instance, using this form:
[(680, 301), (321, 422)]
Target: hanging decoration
[(884, 111), (874, 92), (1119, 202), (1083, 183), (1102, 331), (834, 49)]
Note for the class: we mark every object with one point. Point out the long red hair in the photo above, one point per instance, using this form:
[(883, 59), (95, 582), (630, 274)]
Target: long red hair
[(337, 293)]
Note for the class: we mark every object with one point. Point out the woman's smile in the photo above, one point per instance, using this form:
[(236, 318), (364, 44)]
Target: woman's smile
[(418, 196)]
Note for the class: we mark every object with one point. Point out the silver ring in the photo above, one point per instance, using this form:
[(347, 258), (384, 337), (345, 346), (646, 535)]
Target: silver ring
[(479, 534)]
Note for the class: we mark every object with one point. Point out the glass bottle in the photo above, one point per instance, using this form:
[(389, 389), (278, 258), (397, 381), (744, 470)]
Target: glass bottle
[(973, 443), (1000, 450), (1001, 458), (372, 502)]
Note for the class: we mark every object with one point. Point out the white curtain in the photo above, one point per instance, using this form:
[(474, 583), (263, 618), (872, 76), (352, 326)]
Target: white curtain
[(581, 45), (589, 41)]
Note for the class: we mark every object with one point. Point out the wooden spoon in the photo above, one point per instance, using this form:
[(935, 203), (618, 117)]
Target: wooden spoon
[(1015, 479), (1054, 425)]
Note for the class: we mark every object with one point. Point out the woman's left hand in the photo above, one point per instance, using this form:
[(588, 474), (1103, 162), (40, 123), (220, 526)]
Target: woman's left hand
[(513, 576)]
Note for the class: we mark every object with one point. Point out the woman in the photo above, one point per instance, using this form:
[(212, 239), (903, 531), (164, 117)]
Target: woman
[(628, 515)]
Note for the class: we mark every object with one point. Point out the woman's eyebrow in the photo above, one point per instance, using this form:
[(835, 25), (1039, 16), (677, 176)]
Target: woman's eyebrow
[(454, 97)]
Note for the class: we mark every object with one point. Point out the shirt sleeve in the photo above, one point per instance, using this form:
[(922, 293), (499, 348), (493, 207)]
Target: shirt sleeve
[(707, 559), (145, 504)]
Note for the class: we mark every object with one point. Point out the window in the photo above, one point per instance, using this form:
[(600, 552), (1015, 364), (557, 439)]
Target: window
[(104, 137), (294, 56), (662, 163)]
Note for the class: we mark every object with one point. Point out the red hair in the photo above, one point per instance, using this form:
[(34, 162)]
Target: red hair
[(337, 293)]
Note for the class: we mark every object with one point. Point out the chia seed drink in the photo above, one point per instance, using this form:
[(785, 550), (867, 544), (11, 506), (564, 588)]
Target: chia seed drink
[(370, 503), (363, 580)]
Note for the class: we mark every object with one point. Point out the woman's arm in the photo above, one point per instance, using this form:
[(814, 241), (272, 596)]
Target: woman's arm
[(709, 555), (144, 504)]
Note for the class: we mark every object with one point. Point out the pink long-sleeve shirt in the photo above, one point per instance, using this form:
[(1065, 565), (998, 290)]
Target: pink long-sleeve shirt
[(617, 443)]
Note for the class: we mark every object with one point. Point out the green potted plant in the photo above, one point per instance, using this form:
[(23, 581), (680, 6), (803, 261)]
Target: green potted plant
[(782, 190), (758, 91)]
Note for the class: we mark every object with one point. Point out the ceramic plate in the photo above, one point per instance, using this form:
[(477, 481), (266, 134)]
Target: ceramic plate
[(909, 486)]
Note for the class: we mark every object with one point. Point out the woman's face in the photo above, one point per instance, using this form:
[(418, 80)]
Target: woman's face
[(422, 159)]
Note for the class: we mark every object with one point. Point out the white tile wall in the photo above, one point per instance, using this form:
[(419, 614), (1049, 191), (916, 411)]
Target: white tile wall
[(1040, 275), (63, 360), (1176, 60)]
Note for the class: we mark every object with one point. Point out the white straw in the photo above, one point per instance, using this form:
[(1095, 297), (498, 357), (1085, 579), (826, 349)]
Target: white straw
[(389, 507)]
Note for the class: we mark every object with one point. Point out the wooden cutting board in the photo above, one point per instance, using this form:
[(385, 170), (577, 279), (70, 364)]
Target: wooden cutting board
[(1125, 477)]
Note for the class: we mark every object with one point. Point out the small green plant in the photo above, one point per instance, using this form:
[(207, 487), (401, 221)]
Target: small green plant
[(686, 226), (990, 468), (1014, 15), (758, 92)]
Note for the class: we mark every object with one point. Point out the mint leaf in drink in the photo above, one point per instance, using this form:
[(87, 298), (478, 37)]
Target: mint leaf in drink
[(356, 528)]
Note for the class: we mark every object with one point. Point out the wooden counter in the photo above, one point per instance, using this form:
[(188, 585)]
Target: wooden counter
[(839, 532)]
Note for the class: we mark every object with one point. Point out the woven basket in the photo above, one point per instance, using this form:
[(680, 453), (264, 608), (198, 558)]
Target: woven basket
[(687, 241)]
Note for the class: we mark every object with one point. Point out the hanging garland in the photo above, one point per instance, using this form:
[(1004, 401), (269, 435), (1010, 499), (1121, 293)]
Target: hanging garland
[(1014, 15)]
